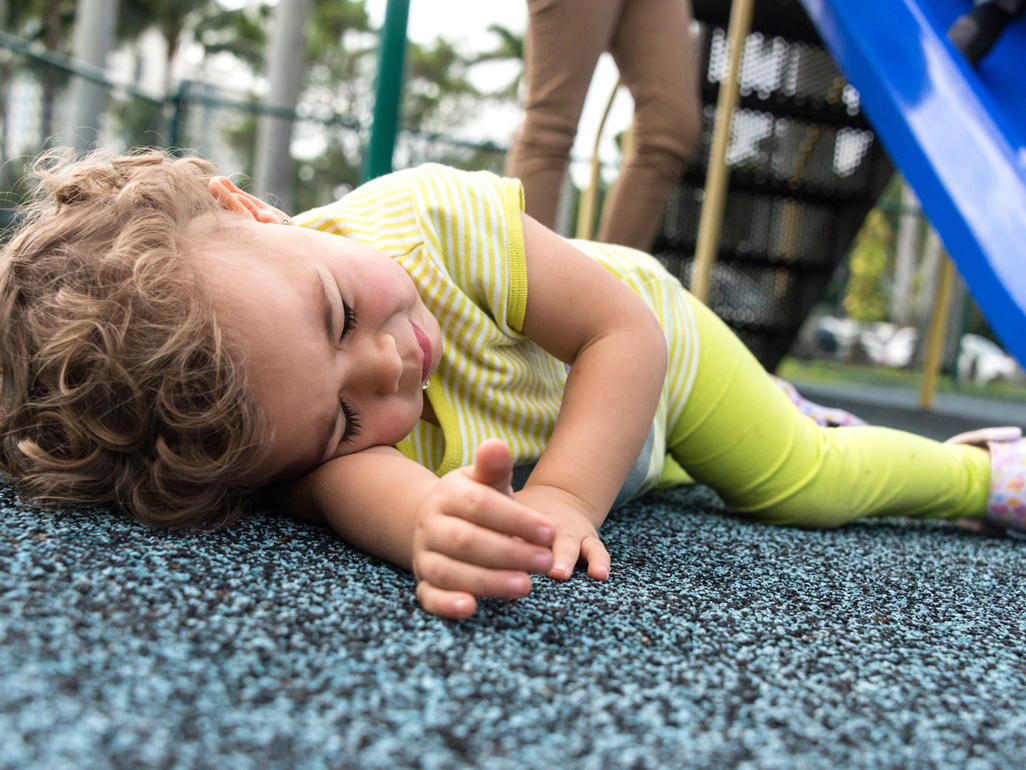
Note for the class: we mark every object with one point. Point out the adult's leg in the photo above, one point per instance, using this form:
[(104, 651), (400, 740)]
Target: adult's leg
[(564, 41), (741, 435), (653, 50)]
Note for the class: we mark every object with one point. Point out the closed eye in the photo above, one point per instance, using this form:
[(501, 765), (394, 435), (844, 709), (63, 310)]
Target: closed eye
[(352, 429), (349, 319), (329, 309)]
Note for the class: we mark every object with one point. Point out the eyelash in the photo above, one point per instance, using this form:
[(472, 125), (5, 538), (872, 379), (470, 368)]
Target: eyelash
[(349, 320), (352, 429)]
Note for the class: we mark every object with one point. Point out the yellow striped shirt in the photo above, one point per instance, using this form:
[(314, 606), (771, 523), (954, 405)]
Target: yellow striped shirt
[(458, 235)]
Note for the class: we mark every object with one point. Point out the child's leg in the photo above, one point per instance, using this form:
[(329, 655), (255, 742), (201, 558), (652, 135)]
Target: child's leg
[(741, 435)]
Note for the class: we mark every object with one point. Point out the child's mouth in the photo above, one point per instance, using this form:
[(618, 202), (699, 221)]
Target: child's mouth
[(425, 346)]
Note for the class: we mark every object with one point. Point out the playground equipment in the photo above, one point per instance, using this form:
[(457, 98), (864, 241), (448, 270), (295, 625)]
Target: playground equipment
[(975, 33), (804, 169), (958, 133), (391, 62)]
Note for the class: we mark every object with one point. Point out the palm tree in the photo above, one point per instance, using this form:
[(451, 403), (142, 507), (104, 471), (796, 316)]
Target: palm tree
[(205, 21), (240, 32), (510, 48)]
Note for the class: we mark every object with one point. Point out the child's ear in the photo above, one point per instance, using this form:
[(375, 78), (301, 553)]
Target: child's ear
[(234, 199)]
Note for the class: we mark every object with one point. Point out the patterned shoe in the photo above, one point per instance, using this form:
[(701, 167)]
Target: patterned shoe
[(1006, 507), (821, 415)]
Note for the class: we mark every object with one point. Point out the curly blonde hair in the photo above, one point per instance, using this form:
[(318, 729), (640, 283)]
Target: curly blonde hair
[(117, 384)]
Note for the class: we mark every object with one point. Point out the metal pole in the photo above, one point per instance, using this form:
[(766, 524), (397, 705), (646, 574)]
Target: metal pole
[(935, 340), (93, 38), (711, 220), (589, 198), (905, 254), (286, 57), (175, 131), (391, 58)]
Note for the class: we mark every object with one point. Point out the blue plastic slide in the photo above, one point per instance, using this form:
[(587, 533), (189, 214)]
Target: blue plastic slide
[(957, 134)]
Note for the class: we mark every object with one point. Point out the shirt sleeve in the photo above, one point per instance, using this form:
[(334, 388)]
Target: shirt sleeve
[(471, 223)]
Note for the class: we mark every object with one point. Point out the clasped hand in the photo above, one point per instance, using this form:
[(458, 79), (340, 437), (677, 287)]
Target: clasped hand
[(475, 538)]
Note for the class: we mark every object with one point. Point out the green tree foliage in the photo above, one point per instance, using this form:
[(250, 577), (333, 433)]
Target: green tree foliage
[(45, 21), (510, 48), (335, 24), (48, 22), (326, 176), (336, 84), (340, 69), (241, 32), (438, 96), (338, 87), (436, 82), (865, 299)]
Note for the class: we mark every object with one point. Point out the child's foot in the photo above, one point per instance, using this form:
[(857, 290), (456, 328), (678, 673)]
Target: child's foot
[(821, 415), (1006, 506)]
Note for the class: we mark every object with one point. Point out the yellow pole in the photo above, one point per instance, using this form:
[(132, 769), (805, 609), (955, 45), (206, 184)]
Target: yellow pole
[(589, 198), (935, 337), (716, 178)]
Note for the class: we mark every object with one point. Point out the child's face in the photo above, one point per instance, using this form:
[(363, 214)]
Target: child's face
[(338, 341)]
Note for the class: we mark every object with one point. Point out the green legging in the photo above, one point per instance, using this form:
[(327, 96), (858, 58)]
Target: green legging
[(743, 437)]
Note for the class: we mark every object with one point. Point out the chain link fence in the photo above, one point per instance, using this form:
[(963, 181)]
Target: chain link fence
[(38, 90)]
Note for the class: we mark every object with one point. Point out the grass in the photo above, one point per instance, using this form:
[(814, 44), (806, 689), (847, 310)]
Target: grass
[(833, 372)]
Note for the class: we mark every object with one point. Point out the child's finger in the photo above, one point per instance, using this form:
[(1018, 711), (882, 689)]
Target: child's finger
[(596, 556), (482, 506), (566, 550), (493, 466), (452, 575), (468, 542), (457, 605)]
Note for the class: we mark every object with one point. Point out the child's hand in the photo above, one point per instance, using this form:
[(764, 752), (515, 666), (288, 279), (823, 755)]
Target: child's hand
[(576, 537), (473, 539)]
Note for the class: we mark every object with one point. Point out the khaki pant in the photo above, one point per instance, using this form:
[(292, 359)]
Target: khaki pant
[(650, 42)]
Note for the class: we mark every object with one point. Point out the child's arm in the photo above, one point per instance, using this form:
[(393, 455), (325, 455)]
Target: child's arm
[(462, 535), (581, 313)]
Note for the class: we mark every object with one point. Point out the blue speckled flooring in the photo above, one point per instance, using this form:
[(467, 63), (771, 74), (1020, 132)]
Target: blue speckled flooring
[(716, 643)]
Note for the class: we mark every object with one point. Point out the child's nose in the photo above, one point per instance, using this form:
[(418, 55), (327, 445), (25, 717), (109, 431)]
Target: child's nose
[(379, 366)]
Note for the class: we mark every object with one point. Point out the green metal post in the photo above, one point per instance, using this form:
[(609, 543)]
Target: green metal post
[(177, 118), (391, 57)]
